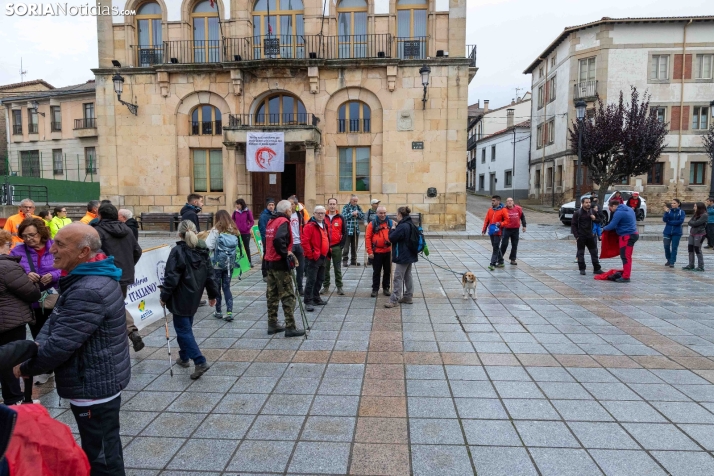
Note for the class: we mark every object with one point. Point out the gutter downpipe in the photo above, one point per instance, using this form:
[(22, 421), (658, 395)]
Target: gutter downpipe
[(545, 115), (681, 108)]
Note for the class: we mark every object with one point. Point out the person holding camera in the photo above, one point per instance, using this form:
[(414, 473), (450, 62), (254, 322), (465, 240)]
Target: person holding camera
[(379, 250)]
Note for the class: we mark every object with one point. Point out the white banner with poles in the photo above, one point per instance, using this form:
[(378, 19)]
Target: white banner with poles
[(142, 297), (265, 151)]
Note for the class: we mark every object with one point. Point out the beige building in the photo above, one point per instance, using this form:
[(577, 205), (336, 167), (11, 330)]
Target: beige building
[(52, 133), (344, 85)]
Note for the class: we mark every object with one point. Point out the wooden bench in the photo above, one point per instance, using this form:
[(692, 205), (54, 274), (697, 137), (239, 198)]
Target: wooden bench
[(205, 220)]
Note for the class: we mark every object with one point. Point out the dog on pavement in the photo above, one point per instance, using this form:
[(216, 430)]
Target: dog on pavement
[(469, 282)]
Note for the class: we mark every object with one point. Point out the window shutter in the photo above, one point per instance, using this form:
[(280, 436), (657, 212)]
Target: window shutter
[(685, 118), (687, 66), (674, 123), (677, 72)]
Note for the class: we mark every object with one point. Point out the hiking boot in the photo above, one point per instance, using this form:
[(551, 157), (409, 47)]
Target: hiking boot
[(183, 363), (340, 292), (217, 315), (405, 300), (308, 307), (136, 341), (391, 304), (325, 290), (199, 370), (667, 263), (229, 317), (386, 292), (671, 265), (622, 280), (293, 332), (699, 268), (319, 303), (689, 267), (582, 272), (598, 271), (374, 294), (275, 329), (491, 267), (513, 262)]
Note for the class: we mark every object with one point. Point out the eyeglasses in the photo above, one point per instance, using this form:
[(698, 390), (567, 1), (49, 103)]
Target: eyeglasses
[(28, 235)]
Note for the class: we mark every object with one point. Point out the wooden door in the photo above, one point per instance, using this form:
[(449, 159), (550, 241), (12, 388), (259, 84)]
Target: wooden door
[(263, 189)]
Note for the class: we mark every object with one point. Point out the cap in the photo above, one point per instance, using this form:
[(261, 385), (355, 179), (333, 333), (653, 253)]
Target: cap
[(269, 200), (635, 194), (374, 200)]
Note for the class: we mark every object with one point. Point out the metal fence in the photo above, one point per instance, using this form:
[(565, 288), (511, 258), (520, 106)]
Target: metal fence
[(283, 120), (70, 167)]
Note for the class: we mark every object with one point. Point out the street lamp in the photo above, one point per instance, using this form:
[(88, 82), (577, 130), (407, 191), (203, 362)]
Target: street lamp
[(36, 106), (580, 110), (424, 71), (118, 81)]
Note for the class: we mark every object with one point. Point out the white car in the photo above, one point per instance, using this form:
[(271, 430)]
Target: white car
[(566, 210)]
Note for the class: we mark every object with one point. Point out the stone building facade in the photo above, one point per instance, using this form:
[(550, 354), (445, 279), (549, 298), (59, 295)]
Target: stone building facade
[(669, 58), (344, 86)]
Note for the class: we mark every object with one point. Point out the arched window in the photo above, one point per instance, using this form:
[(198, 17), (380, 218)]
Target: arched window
[(206, 120), (411, 28), (206, 33), (280, 109), (352, 28), (148, 34), (354, 116), (278, 29)]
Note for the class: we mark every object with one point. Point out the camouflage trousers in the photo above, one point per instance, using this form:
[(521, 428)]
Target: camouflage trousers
[(280, 289)]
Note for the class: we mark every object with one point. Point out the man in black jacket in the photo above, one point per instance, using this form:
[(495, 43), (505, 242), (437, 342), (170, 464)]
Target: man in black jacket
[(84, 342), (582, 228), (118, 241), (127, 218), (190, 211)]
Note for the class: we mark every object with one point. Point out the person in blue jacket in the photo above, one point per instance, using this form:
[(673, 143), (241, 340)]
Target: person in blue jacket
[(403, 257), (624, 223), (673, 218), (710, 222), (263, 220)]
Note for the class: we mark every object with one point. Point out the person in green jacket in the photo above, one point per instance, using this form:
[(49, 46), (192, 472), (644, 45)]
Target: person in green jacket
[(58, 221)]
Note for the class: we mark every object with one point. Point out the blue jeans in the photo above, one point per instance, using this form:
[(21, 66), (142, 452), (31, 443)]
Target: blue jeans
[(188, 348), (222, 277), (671, 243)]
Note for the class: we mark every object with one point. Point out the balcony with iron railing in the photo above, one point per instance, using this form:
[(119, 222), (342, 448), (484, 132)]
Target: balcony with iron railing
[(411, 48), (17, 129), (298, 128), (206, 128), (353, 125), (585, 90), (471, 142), (471, 55), (33, 128), (85, 123), (55, 126)]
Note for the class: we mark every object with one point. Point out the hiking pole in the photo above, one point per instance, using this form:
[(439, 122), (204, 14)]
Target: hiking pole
[(305, 324), (168, 341)]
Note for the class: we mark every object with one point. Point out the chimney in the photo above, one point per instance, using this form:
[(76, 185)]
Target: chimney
[(513, 102), (509, 117), (485, 106)]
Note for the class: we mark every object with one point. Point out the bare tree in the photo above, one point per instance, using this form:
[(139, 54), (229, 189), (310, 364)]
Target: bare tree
[(620, 140)]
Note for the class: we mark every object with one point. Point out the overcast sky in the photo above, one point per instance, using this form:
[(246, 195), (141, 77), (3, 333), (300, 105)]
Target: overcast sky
[(509, 35)]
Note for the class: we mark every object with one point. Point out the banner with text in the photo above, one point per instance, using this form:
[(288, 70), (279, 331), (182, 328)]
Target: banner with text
[(142, 297), (265, 151)]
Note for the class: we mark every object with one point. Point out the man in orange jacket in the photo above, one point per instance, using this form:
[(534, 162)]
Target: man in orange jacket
[(496, 220), (92, 212), (379, 250), (316, 246), (26, 210)]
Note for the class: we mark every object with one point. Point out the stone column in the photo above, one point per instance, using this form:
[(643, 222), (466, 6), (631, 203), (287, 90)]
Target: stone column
[(310, 176), (105, 38), (244, 186), (229, 176)]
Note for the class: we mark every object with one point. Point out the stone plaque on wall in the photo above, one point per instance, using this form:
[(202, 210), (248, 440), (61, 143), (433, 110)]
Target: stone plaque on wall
[(405, 121)]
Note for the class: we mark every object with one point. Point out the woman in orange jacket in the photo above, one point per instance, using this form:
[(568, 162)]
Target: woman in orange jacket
[(379, 250)]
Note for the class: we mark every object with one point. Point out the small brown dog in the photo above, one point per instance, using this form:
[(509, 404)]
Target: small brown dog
[(469, 282)]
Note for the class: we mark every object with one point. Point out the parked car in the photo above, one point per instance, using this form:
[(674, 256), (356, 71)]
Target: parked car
[(567, 209)]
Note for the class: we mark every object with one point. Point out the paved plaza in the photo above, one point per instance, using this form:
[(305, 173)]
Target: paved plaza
[(548, 372)]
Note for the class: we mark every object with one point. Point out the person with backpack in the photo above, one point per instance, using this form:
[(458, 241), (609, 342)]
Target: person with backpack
[(265, 216), (222, 242), (710, 223), (674, 219), (379, 250), (697, 232), (405, 239), (338, 236), (511, 230), (495, 221), (297, 222), (243, 218)]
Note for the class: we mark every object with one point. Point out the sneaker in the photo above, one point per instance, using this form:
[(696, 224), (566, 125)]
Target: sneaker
[(319, 303), (217, 315), (199, 370), (309, 308), (340, 292), (136, 341), (324, 290), (582, 272), (513, 262), (36, 402), (356, 264), (689, 267), (229, 317), (293, 332), (345, 264), (491, 267), (275, 329), (598, 271), (667, 263), (622, 280), (671, 265), (699, 268), (500, 265), (374, 294), (391, 304), (406, 301), (386, 292), (183, 363), (42, 379)]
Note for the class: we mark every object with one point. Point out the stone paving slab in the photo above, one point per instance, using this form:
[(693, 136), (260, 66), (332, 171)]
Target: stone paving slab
[(547, 372)]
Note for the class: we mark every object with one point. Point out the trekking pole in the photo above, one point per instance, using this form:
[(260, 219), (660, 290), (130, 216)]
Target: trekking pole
[(305, 324), (168, 341)]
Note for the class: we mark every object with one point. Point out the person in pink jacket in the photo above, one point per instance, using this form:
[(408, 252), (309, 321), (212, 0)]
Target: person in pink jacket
[(244, 221)]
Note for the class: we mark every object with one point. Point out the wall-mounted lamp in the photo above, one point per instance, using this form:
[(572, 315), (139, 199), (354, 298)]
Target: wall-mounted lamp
[(118, 88), (424, 71), (35, 105), (431, 192)]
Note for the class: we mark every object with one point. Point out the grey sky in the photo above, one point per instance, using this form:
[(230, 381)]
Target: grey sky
[(509, 35)]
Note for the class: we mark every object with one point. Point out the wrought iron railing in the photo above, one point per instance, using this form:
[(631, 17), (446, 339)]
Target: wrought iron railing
[(33, 128), (206, 128), (308, 47), (585, 89), (56, 126), (85, 123), (17, 129), (193, 51), (471, 142), (411, 48), (272, 120), (471, 55), (353, 125), (148, 55)]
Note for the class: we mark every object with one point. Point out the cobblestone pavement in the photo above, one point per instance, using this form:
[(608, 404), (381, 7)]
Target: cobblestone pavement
[(547, 372)]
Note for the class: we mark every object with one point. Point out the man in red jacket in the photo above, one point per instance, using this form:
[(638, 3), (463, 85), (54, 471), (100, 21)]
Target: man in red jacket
[(516, 218), (316, 246), (494, 222), (379, 250), (338, 236)]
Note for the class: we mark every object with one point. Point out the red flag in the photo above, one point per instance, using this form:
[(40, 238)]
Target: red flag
[(270, 29), (212, 3)]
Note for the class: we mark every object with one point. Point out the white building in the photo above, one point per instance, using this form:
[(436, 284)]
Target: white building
[(670, 58), (501, 165)]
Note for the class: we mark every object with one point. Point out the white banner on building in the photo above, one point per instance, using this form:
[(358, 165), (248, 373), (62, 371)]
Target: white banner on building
[(142, 297), (265, 152)]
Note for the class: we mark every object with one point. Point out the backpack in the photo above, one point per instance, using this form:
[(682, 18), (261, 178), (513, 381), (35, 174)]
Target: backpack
[(224, 255), (416, 243), (374, 229)]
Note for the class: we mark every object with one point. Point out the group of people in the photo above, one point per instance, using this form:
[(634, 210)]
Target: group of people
[(503, 224)]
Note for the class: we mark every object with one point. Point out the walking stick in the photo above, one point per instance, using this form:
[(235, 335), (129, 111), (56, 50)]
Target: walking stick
[(168, 341), (305, 324)]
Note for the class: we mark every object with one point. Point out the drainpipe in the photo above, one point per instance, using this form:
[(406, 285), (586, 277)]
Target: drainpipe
[(545, 116), (681, 109)]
